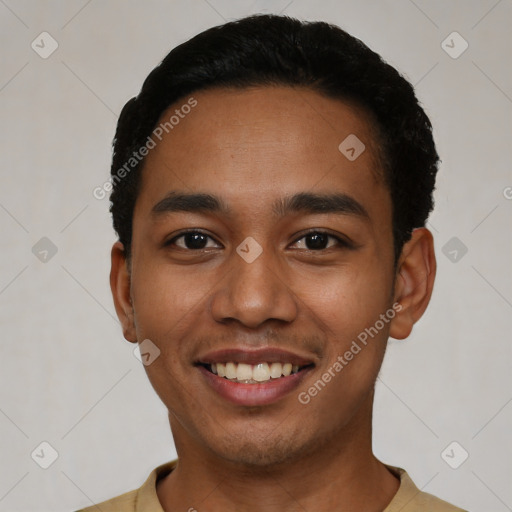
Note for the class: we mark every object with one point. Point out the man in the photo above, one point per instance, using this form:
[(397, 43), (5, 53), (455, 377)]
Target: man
[(271, 184)]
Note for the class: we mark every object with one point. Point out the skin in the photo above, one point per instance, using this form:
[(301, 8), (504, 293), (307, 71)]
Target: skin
[(250, 148)]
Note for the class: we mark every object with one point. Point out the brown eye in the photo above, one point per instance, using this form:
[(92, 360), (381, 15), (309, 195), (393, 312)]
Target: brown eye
[(192, 240), (318, 241)]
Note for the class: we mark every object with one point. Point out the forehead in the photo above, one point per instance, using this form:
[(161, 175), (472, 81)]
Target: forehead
[(250, 146)]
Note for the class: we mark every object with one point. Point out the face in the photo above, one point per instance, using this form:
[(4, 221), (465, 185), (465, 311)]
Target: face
[(258, 249)]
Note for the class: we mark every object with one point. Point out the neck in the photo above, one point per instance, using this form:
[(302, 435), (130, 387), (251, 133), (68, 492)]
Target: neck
[(344, 471)]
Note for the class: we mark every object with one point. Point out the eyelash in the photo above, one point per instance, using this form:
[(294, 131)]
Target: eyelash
[(340, 241)]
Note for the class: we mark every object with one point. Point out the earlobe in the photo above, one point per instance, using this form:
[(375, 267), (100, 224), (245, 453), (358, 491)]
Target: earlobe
[(120, 287), (414, 282)]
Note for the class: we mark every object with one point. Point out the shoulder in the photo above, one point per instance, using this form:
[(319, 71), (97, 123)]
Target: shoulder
[(410, 499), (123, 503), (142, 499)]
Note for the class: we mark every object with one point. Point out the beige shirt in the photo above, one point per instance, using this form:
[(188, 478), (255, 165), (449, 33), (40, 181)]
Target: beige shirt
[(408, 498)]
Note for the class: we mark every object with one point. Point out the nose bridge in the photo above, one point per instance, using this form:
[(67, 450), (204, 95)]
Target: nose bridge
[(254, 269), (254, 290)]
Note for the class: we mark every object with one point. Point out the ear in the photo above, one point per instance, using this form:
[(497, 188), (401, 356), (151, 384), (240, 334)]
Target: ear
[(414, 282), (120, 287)]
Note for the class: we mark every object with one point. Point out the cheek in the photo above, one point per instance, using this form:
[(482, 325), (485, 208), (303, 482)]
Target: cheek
[(346, 301), (167, 304), (165, 300), (348, 306), (347, 309)]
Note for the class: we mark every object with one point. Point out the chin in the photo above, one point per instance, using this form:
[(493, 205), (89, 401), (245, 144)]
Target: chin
[(268, 452)]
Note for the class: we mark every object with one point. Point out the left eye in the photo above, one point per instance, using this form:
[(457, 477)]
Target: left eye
[(317, 241)]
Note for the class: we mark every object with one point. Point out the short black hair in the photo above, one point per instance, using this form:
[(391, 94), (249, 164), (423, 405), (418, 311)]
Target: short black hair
[(270, 50)]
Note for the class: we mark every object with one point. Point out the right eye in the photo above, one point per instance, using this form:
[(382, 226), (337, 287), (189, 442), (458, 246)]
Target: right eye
[(191, 240)]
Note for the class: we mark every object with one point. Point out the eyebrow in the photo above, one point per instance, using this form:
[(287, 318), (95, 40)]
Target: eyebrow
[(302, 202)]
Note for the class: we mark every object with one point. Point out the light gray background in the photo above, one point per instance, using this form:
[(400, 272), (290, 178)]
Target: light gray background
[(67, 375)]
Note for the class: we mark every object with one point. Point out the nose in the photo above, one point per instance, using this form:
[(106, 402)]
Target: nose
[(254, 292)]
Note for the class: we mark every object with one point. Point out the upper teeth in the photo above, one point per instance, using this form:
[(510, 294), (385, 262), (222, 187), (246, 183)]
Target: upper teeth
[(253, 372)]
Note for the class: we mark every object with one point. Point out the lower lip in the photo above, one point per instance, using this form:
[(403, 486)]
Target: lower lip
[(253, 394)]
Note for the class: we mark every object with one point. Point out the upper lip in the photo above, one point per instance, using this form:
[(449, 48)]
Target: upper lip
[(254, 356)]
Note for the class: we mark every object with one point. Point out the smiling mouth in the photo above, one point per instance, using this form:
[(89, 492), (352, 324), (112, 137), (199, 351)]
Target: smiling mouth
[(259, 373)]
